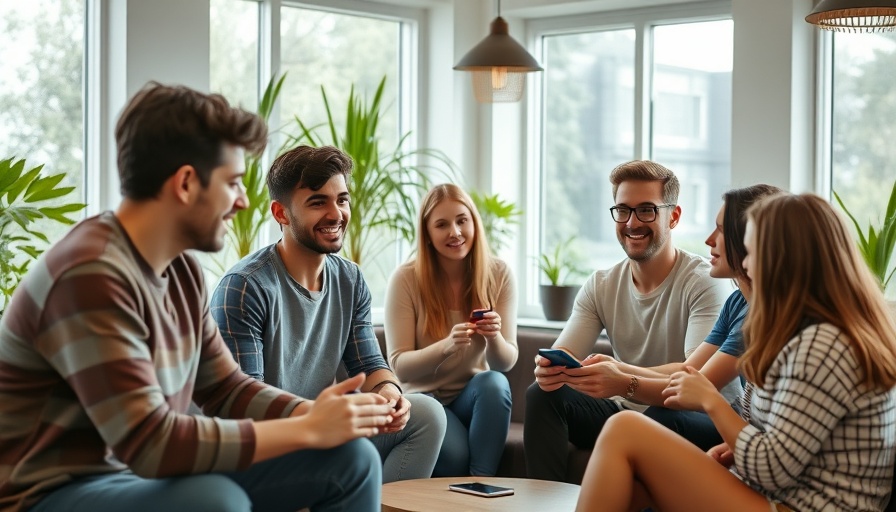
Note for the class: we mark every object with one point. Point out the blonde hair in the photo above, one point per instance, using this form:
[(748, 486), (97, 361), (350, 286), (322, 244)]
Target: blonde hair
[(806, 269), (479, 278), (646, 170)]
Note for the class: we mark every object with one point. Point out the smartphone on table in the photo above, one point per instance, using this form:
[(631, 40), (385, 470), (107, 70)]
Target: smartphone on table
[(559, 357), (480, 489)]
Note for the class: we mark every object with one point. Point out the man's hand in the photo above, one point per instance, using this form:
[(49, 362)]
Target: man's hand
[(401, 408), (339, 415), (549, 378), (599, 380)]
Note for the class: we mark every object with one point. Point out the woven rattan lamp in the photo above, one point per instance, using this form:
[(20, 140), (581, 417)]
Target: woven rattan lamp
[(854, 15), (499, 65)]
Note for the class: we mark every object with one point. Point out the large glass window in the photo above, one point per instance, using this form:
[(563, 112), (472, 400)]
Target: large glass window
[(591, 123), (862, 130), (42, 86), (233, 50)]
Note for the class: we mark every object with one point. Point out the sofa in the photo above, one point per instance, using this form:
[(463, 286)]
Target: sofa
[(529, 340)]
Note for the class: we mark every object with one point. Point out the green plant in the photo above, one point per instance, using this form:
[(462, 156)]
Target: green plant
[(561, 264), (26, 209), (497, 217), (385, 186), (877, 244), (246, 224)]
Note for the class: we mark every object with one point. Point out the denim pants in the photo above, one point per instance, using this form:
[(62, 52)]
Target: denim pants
[(347, 477), (478, 421), (695, 426), (411, 452)]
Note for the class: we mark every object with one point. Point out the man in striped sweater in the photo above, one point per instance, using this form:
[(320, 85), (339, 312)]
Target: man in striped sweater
[(108, 339)]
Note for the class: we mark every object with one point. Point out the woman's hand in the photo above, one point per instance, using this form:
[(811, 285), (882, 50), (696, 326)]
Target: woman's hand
[(489, 326), (689, 389), (722, 454), (458, 338)]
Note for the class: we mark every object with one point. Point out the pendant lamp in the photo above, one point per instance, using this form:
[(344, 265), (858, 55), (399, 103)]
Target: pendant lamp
[(498, 65), (854, 15)]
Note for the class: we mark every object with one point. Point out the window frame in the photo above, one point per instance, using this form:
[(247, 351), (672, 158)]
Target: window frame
[(642, 20)]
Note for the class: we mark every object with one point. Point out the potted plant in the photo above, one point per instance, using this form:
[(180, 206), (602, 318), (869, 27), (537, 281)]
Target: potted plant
[(385, 185), (28, 205), (559, 266), (497, 216), (877, 244)]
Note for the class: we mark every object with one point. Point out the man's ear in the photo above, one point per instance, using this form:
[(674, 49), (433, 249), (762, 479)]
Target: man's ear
[(279, 213), (184, 184), (675, 217)]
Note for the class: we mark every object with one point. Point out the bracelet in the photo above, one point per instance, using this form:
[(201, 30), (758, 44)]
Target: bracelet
[(380, 385), (632, 387)]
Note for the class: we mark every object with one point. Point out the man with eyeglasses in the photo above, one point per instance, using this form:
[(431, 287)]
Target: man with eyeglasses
[(656, 306)]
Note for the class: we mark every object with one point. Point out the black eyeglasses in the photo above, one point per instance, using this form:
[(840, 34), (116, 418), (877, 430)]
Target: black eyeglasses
[(643, 213)]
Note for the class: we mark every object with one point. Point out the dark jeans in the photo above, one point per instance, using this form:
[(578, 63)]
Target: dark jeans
[(347, 477), (694, 426), (553, 420)]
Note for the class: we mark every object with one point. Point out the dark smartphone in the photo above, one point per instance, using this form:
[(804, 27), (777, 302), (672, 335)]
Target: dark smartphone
[(484, 490), (559, 357), (477, 314)]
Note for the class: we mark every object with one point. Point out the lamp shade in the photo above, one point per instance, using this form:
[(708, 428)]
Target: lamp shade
[(854, 15), (499, 65)]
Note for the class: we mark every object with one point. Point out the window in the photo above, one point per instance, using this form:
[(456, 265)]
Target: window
[(41, 87), (233, 51), (863, 107), (594, 118), (320, 46), (42, 48)]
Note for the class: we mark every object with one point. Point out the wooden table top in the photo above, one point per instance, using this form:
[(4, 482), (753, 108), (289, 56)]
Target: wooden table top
[(432, 495)]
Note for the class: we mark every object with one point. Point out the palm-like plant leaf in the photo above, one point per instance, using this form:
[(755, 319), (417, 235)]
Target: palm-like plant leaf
[(877, 245), (385, 186), (24, 215)]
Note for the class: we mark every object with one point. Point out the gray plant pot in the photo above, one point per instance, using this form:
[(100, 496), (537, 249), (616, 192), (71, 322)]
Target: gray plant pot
[(557, 301)]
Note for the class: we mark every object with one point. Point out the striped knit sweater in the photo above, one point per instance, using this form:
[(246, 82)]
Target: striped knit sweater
[(99, 361), (818, 440)]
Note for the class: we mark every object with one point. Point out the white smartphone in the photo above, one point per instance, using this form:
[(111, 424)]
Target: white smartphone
[(478, 489)]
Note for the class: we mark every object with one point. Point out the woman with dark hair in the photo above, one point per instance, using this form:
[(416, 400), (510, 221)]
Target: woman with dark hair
[(816, 432), (436, 346)]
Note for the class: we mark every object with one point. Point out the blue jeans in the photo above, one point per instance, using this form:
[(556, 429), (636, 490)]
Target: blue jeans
[(478, 421), (411, 452), (694, 426), (343, 478)]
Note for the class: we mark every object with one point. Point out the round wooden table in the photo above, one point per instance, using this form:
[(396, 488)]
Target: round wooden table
[(432, 495)]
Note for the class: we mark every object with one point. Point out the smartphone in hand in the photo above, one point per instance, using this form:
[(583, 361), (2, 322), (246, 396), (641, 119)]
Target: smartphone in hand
[(477, 314), (480, 489), (559, 357)]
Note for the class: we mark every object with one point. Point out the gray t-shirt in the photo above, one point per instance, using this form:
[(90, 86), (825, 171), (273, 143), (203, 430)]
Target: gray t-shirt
[(289, 337), (650, 329)]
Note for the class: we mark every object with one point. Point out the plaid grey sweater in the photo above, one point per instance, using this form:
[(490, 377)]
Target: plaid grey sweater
[(817, 439)]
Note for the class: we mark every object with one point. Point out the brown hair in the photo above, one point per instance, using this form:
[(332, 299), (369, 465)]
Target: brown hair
[(645, 170), (807, 269), (306, 167), (479, 282), (163, 128)]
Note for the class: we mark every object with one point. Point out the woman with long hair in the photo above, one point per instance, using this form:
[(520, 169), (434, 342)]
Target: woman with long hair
[(436, 345), (819, 408)]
